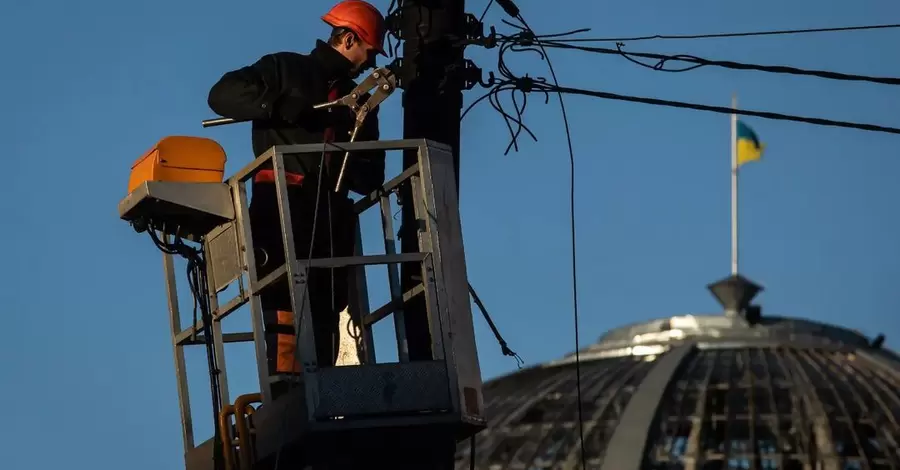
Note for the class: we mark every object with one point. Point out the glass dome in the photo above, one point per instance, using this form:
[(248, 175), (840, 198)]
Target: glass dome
[(701, 392)]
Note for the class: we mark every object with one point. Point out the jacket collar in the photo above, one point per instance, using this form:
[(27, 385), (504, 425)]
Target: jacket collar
[(334, 65)]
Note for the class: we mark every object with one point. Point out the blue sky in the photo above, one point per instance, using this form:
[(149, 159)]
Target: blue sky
[(89, 86)]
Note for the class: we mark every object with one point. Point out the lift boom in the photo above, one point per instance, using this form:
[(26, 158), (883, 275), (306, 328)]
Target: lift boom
[(403, 409)]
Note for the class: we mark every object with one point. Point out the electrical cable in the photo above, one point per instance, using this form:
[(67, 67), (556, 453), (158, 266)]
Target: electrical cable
[(391, 34), (199, 286), (726, 110), (701, 62), (573, 249), (503, 346), (513, 11), (484, 13), (738, 35), (528, 84), (512, 84)]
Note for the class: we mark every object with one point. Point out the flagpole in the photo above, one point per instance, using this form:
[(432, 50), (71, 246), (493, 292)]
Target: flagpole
[(734, 189)]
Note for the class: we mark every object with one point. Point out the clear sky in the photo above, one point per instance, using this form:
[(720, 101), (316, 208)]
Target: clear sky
[(86, 368)]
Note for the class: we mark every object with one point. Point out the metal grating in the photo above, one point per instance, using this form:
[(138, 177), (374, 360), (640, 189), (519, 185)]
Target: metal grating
[(778, 408), (533, 415)]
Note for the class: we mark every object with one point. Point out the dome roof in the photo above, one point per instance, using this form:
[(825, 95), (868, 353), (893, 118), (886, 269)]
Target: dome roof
[(701, 391)]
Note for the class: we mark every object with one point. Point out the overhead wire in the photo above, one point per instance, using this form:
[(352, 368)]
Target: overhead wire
[(298, 316), (701, 62), (520, 42), (573, 251), (484, 13), (737, 35), (726, 110)]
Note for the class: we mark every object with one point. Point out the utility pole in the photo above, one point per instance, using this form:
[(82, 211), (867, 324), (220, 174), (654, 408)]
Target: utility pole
[(432, 103)]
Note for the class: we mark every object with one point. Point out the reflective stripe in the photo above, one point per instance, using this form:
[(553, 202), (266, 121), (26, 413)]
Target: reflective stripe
[(268, 176), (286, 361)]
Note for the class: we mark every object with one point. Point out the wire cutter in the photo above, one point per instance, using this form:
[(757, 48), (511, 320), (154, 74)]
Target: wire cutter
[(383, 82)]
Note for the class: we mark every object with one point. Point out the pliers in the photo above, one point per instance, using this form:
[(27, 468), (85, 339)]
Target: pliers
[(384, 82)]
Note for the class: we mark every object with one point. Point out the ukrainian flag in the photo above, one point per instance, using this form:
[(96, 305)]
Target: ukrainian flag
[(748, 146)]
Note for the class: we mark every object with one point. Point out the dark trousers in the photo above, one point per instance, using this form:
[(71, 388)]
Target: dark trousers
[(326, 289)]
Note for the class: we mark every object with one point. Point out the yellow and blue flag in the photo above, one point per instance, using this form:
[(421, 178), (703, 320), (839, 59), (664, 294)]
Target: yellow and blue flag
[(748, 146)]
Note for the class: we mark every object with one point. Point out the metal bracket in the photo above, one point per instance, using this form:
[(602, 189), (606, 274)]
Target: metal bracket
[(467, 74), (473, 28), (398, 68), (393, 22), (474, 31)]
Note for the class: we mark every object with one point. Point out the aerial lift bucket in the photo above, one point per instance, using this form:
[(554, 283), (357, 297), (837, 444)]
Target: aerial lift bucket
[(176, 190)]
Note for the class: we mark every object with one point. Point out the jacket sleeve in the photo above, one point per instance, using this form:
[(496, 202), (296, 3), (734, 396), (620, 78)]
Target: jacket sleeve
[(365, 172), (254, 92)]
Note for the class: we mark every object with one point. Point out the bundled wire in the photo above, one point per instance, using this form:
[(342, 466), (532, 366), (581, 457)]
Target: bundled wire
[(513, 84), (198, 282), (527, 41), (392, 35)]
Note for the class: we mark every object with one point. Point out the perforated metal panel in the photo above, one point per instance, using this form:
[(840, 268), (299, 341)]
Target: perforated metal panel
[(223, 256), (380, 388)]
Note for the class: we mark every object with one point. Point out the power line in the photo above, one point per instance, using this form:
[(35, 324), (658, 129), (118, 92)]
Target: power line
[(738, 35), (486, 8), (529, 85), (725, 110), (701, 62)]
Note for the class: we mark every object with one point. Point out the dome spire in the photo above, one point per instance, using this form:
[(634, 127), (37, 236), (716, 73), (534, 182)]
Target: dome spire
[(734, 294)]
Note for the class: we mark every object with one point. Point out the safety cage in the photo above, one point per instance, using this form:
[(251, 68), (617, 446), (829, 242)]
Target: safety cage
[(443, 392)]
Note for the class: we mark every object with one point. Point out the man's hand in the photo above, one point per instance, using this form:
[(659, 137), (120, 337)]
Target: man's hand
[(339, 115), (300, 112), (296, 110)]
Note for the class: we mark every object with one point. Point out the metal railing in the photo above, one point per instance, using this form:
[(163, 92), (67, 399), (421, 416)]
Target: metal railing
[(448, 384)]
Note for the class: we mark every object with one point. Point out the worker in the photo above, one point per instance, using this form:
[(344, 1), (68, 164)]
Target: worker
[(278, 93)]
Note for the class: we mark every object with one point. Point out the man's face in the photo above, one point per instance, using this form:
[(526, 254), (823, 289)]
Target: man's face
[(358, 52)]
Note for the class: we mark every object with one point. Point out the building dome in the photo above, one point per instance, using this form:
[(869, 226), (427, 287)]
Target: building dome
[(701, 392)]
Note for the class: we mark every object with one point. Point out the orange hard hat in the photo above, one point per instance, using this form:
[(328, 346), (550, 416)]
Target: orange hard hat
[(360, 17)]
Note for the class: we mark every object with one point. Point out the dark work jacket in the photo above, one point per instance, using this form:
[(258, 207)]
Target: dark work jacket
[(269, 92), (277, 83)]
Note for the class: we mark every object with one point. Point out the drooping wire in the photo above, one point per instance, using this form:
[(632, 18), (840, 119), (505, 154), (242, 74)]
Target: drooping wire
[(514, 124), (573, 251), (199, 286), (504, 348), (511, 82), (538, 84)]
